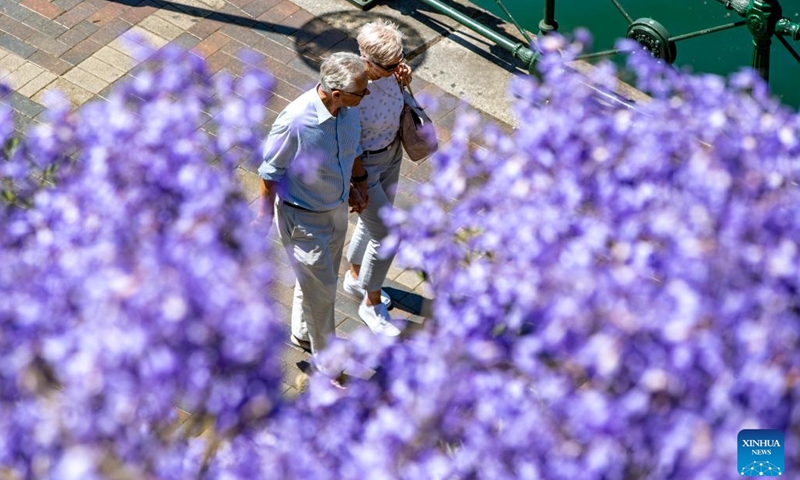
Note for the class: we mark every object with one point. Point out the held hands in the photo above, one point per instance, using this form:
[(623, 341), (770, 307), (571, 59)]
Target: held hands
[(358, 197)]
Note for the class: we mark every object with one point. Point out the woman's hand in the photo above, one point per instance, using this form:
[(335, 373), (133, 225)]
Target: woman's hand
[(403, 74)]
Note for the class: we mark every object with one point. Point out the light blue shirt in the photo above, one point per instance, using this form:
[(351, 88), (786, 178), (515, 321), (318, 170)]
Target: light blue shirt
[(310, 153)]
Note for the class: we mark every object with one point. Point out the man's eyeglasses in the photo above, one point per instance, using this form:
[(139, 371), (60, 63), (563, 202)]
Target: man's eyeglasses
[(359, 95), (392, 67)]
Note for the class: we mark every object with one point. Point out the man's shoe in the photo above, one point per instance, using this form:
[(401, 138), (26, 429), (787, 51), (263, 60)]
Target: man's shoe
[(377, 319), (299, 342), (351, 286)]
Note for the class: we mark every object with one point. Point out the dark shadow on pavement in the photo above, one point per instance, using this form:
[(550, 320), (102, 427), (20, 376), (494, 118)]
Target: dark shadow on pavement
[(405, 301), (210, 14), (313, 40)]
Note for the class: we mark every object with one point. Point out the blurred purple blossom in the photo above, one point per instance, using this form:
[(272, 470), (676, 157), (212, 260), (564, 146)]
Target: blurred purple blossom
[(616, 292), (133, 286)]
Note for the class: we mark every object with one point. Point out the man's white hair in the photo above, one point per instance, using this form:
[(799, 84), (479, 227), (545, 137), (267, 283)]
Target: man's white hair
[(340, 71), (380, 41)]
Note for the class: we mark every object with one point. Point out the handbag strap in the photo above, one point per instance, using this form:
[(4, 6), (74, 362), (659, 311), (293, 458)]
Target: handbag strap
[(407, 86)]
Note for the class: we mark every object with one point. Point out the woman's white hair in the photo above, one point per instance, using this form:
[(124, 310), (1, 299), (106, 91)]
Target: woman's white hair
[(380, 41), (340, 71)]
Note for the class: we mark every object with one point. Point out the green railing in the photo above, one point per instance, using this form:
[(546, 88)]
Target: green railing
[(763, 18)]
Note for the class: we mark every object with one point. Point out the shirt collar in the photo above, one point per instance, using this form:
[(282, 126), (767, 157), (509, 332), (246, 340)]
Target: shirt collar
[(323, 114)]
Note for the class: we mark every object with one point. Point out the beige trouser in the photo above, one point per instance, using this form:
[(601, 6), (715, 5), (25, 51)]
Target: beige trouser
[(384, 173), (314, 243)]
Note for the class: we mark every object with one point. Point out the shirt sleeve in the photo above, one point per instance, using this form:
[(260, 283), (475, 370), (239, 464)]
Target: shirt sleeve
[(279, 149)]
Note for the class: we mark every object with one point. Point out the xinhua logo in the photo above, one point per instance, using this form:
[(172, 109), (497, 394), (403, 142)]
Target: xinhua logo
[(760, 453)]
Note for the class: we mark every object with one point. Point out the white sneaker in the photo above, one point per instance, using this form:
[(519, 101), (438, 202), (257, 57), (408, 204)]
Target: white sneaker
[(377, 319), (351, 286)]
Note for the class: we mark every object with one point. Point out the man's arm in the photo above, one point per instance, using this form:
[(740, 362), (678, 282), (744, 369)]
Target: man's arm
[(358, 187), (266, 200), (279, 148)]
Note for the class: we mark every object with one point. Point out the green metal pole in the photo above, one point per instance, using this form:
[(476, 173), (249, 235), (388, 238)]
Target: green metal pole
[(548, 23), (517, 49), (762, 15)]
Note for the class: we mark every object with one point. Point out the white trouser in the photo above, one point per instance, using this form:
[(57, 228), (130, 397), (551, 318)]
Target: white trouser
[(314, 242), (384, 172)]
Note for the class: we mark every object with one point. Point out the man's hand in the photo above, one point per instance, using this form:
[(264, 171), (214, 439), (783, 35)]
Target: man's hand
[(263, 218), (266, 202), (358, 197)]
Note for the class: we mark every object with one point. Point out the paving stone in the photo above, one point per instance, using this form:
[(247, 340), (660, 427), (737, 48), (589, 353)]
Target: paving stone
[(419, 172), (78, 33), (274, 50), (266, 28), (101, 70), (196, 10), (15, 27), (44, 25), (186, 41), (325, 42), (136, 14), (346, 45), (10, 63), (306, 65), (286, 90), (24, 105), (182, 20), (77, 95), (22, 75), (148, 38), (36, 84), (47, 44), (123, 46), (257, 8), (205, 27), (42, 7), (409, 279), (67, 4), (81, 51), (277, 104), (240, 33), (115, 58), (219, 61), (211, 44), (86, 80), (17, 46), (160, 27), (349, 326), (74, 16), (106, 14), (280, 11), (232, 14), (50, 62), (15, 11), (301, 19), (110, 31)]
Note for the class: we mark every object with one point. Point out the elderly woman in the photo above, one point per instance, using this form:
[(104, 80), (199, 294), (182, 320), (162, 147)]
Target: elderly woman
[(381, 46)]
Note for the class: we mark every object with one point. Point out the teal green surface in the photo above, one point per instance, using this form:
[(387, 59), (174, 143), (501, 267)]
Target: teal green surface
[(721, 53)]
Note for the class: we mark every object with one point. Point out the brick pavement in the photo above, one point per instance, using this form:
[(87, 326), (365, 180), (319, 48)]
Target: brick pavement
[(74, 46)]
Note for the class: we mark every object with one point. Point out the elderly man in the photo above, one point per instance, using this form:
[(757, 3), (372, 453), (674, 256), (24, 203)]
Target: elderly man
[(312, 158)]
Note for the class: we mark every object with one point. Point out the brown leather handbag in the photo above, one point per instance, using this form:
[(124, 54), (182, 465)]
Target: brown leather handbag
[(416, 129)]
